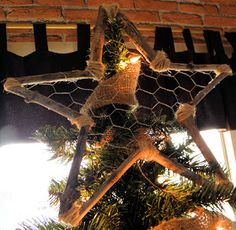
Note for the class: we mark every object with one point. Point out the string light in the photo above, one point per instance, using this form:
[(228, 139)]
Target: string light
[(134, 59), (219, 228)]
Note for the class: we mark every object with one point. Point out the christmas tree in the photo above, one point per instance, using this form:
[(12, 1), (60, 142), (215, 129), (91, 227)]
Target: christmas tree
[(146, 191)]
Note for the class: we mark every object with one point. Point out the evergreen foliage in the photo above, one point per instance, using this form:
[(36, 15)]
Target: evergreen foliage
[(138, 201), (115, 52), (43, 224), (61, 141)]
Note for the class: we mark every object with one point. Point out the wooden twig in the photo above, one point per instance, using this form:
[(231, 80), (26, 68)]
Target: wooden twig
[(149, 54), (136, 38), (206, 90), (13, 86), (70, 76), (188, 122), (76, 213), (193, 68), (150, 153), (146, 152), (98, 38), (192, 129), (71, 194), (95, 65), (70, 212)]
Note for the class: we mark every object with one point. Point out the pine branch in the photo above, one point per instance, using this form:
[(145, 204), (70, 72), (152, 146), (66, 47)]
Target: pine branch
[(60, 140), (44, 224), (55, 191)]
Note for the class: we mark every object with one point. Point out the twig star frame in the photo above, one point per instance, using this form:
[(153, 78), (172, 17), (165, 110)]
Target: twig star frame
[(119, 89)]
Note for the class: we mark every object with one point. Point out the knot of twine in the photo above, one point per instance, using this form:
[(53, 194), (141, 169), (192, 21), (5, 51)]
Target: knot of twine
[(72, 215), (96, 69), (204, 219), (145, 143), (111, 10), (82, 120), (161, 62), (184, 112), (223, 69), (11, 83)]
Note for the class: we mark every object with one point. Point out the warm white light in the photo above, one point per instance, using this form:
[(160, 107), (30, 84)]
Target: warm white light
[(25, 174), (178, 138), (122, 64), (134, 59), (213, 140), (161, 179), (219, 228)]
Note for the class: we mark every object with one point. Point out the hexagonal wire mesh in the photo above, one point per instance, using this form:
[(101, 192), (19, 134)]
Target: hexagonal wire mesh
[(157, 93), (146, 93)]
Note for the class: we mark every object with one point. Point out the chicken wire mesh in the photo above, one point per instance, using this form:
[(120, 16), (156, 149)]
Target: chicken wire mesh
[(156, 93), (123, 113)]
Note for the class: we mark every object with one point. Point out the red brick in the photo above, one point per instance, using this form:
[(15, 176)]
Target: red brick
[(60, 2), (178, 18), (2, 15), (191, 1), (122, 3), (16, 2), (36, 13), (220, 21), (142, 16), (228, 30), (220, 1), (198, 9), (228, 10), (18, 31), (155, 5), (80, 15)]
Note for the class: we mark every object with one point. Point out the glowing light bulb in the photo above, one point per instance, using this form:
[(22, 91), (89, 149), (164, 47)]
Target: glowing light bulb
[(122, 64), (161, 179), (219, 228), (134, 59)]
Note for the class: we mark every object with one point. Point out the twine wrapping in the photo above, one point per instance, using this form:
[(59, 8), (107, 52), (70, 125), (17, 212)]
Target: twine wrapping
[(184, 112), (11, 83), (111, 10), (223, 69), (72, 215), (118, 89), (145, 143), (83, 120), (96, 69), (204, 220), (161, 63)]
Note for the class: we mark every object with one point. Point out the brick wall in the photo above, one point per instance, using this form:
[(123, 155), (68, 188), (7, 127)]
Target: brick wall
[(146, 14)]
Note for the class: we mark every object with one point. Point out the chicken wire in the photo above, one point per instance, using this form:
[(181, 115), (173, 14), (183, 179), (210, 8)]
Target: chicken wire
[(156, 93)]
